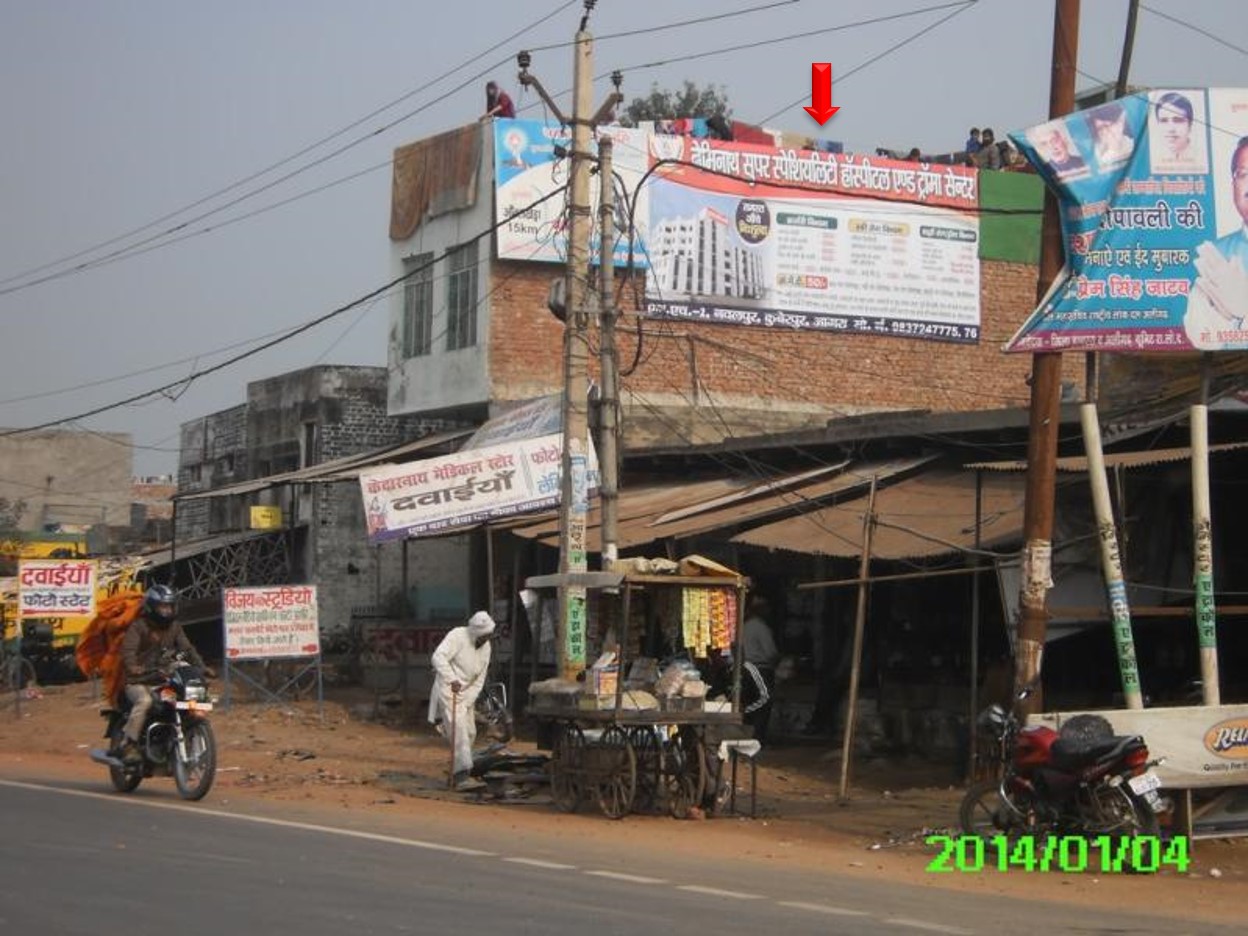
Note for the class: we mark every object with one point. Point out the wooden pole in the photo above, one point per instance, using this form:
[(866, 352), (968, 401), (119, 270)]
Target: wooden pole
[(860, 624), (1046, 372)]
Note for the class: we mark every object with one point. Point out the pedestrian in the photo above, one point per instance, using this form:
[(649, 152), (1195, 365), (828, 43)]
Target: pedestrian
[(761, 651), (497, 102), (460, 663)]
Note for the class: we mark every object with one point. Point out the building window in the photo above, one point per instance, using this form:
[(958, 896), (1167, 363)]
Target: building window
[(461, 297), (418, 306), (307, 445)]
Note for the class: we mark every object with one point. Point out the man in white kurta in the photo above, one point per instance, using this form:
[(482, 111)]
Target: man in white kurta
[(459, 666)]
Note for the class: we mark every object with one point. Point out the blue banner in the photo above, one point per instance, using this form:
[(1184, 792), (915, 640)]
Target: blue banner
[(1153, 193)]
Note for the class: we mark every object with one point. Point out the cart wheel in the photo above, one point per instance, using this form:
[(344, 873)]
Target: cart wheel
[(566, 762), (617, 786), (684, 772), (645, 742)]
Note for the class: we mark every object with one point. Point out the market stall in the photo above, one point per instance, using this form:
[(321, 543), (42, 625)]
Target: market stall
[(644, 727)]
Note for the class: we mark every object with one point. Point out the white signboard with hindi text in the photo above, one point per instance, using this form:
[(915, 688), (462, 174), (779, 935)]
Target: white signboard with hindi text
[(272, 621), (471, 486), (56, 588)]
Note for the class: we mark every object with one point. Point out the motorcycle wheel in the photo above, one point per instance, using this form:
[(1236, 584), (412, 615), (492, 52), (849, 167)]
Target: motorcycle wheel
[(981, 810), (194, 775)]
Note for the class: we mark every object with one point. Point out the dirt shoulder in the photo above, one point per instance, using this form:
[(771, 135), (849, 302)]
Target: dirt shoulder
[(377, 764)]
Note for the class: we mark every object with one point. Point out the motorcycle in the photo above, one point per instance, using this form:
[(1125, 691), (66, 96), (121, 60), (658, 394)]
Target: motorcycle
[(177, 739), (1084, 780)]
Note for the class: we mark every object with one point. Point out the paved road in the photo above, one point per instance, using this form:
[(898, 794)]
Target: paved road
[(78, 861)]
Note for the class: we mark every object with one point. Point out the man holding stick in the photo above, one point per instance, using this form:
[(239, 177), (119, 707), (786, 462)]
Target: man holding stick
[(459, 664)]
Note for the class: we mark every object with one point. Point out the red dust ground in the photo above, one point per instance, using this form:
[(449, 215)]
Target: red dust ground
[(365, 758)]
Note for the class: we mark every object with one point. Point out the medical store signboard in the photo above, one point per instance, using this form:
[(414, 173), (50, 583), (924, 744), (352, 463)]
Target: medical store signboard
[(797, 239), (1153, 191), (56, 588), (436, 495)]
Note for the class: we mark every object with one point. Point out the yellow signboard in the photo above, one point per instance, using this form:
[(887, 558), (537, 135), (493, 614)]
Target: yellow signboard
[(266, 518)]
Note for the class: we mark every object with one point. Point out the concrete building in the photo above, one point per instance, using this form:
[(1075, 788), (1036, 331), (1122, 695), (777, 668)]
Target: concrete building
[(694, 256), (67, 478), (266, 452)]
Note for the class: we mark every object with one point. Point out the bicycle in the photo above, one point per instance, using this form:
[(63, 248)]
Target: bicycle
[(16, 671)]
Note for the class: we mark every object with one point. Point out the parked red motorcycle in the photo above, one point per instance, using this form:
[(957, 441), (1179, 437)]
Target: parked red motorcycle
[(1084, 780)]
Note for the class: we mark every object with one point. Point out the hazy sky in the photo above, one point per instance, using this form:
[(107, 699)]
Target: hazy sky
[(121, 112)]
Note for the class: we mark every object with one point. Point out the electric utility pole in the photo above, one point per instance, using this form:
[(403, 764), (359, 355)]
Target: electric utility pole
[(574, 491), (609, 399), (1046, 386)]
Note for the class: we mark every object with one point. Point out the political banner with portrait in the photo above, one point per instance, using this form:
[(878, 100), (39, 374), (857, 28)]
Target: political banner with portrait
[(745, 234), (1153, 193)]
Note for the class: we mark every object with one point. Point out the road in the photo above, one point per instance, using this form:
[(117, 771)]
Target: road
[(75, 860)]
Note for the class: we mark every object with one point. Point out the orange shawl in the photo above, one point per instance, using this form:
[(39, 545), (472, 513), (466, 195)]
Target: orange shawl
[(99, 649)]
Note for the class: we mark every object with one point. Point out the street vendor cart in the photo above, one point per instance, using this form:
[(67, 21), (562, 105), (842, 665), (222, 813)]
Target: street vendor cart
[(632, 735)]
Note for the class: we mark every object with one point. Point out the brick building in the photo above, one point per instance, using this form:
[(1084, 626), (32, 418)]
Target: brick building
[(472, 331)]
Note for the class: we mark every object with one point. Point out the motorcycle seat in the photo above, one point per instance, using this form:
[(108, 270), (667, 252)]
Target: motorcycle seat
[(1070, 754)]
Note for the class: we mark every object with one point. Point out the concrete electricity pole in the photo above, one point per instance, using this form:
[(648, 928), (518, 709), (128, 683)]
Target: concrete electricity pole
[(1046, 373), (574, 492), (609, 400)]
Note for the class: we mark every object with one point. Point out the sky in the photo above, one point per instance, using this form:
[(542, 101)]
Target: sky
[(191, 178)]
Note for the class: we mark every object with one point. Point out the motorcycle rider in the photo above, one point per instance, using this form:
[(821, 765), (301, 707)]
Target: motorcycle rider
[(149, 642)]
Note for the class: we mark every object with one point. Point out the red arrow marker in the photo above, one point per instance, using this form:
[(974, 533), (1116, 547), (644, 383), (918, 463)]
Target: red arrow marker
[(821, 92)]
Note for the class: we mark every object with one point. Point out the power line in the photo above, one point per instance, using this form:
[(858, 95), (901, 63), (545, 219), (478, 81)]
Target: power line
[(288, 159), (962, 7), (286, 336), (1196, 29)]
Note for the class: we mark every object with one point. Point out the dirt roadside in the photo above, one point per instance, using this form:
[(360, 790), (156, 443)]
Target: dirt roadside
[(370, 759)]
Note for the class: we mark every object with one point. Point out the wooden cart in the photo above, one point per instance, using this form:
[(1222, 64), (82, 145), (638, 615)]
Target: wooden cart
[(625, 759)]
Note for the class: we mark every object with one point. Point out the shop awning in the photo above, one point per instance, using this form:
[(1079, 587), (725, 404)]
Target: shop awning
[(186, 549), (1140, 459), (684, 510), (927, 515), (340, 469)]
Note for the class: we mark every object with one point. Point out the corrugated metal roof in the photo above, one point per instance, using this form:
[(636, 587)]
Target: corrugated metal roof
[(340, 469), (1114, 459), (706, 506), (927, 515)]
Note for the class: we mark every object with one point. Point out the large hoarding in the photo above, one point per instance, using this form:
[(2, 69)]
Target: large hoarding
[(1153, 190), (745, 234)]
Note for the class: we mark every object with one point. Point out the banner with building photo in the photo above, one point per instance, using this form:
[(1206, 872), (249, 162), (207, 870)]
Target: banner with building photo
[(437, 495), (1153, 190), (785, 238), (527, 168)]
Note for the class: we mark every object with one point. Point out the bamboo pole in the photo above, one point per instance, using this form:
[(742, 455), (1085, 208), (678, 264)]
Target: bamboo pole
[(860, 623)]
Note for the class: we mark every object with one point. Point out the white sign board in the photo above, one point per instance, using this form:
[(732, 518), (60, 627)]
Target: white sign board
[(274, 621), (471, 486), (1204, 746), (56, 588)]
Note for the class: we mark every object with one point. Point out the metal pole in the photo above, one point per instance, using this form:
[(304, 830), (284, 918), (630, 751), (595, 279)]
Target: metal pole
[(860, 624), (404, 625), (1045, 409), (574, 496), (608, 448), (1128, 46), (1202, 528), (513, 615), (1111, 561), (975, 561)]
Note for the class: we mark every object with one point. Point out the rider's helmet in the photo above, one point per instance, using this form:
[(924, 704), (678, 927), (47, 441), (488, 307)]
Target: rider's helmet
[(160, 605)]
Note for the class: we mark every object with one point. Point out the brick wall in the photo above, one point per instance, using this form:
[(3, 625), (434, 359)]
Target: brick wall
[(691, 378)]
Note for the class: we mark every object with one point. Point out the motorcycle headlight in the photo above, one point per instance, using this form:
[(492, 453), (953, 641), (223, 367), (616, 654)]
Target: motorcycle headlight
[(196, 693)]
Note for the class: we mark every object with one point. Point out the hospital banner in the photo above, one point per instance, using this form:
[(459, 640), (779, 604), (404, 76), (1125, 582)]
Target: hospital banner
[(437, 495), (1153, 192), (745, 234), (531, 163)]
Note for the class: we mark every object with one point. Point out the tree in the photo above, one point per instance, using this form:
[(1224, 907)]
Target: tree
[(689, 101), (10, 516)]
